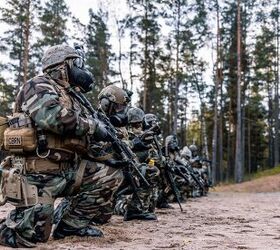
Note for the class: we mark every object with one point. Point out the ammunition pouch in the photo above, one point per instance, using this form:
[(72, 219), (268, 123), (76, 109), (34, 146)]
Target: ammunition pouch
[(36, 165), (14, 187), (78, 145), (20, 140), (20, 136)]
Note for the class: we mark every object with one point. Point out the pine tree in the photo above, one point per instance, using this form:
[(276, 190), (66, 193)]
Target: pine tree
[(53, 20), (265, 52), (99, 53), (229, 61), (20, 18), (7, 96), (275, 23), (147, 35)]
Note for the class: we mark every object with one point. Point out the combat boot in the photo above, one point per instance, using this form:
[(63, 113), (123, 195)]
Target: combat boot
[(164, 205), (139, 216), (63, 230)]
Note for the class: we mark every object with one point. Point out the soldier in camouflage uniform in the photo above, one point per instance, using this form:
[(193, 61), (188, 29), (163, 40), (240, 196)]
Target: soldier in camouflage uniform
[(201, 166), (151, 122), (171, 151), (129, 205), (59, 166), (113, 103)]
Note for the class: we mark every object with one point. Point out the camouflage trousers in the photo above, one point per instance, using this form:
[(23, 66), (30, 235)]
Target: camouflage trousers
[(163, 188), (25, 226), (185, 188), (131, 203), (148, 196)]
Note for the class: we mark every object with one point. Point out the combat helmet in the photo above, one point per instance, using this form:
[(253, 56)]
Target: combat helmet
[(171, 143), (193, 149), (135, 115), (113, 102), (149, 120), (114, 94), (186, 153), (57, 54)]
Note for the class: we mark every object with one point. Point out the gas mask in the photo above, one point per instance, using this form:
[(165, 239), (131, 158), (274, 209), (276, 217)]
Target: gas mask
[(117, 113), (173, 145), (78, 75), (119, 119), (81, 78)]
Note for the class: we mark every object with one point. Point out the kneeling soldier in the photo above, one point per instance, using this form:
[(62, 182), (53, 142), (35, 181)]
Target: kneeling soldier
[(48, 141)]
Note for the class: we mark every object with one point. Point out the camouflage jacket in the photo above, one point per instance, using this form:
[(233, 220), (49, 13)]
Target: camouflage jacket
[(149, 153), (51, 108)]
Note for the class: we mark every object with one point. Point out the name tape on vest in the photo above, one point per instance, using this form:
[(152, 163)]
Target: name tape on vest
[(14, 141)]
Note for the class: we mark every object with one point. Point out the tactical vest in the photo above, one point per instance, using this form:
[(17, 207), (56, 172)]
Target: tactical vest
[(74, 144), (23, 136)]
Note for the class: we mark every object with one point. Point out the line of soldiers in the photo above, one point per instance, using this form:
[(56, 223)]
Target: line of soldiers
[(100, 161)]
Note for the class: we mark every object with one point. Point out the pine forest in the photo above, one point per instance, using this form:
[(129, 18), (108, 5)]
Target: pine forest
[(209, 69)]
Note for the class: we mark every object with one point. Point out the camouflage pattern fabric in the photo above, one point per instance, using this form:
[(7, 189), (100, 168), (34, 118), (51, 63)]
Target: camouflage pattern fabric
[(121, 204), (93, 204), (148, 196), (52, 109), (26, 226)]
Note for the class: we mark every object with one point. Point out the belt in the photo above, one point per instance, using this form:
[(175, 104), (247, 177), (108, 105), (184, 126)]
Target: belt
[(39, 165), (60, 155)]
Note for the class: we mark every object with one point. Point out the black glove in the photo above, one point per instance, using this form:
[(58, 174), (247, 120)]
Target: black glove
[(148, 137), (101, 133), (139, 145)]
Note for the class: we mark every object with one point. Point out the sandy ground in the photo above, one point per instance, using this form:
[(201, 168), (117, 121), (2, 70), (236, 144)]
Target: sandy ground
[(222, 220)]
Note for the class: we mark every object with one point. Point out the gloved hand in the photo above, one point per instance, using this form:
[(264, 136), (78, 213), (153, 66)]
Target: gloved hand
[(101, 133), (148, 137), (152, 173), (139, 145)]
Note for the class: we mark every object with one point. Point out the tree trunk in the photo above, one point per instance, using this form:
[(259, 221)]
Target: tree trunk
[(238, 144), (145, 61), (177, 84), (204, 133), (249, 145), (276, 103), (26, 40), (221, 132), (124, 85), (270, 123), (215, 129), (131, 62)]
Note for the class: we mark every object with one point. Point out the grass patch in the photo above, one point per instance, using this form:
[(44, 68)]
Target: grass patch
[(259, 174), (253, 176)]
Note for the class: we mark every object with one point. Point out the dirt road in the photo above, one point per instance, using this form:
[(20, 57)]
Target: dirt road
[(222, 220)]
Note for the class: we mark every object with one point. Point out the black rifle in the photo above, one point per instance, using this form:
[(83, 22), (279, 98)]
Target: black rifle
[(184, 169), (119, 146), (168, 174)]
